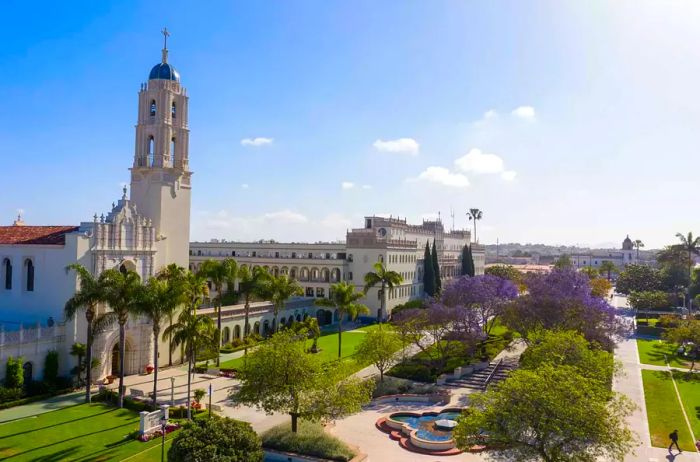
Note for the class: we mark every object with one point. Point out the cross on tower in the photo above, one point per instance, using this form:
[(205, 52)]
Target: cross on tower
[(166, 34)]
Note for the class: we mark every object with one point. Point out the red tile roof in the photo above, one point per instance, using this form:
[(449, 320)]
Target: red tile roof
[(24, 235)]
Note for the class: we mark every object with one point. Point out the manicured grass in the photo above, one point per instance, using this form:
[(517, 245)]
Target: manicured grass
[(310, 440), (77, 433), (664, 410), (328, 346), (653, 351), (689, 389)]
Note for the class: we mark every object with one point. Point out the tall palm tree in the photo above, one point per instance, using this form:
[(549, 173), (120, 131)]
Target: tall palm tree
[(193, 332), (387, 279), (251, 283), (90, 294), (607, 267), (344, 298), (280, 289), (691, 245), (158, 299), (475, 214), (122, 289), (638, 244), (173, 273), (220, 273)]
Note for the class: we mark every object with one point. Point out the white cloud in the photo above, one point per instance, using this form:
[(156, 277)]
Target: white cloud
[(509, 175), (285, 217), (244, 186), (347, 185), (443, 176), (337, 222), (258, 141), (401, 146), (476, 161), (366, 186), (490, 114), (524, 112)]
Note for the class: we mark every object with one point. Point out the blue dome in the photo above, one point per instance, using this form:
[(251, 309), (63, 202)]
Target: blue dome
[(164, 71)]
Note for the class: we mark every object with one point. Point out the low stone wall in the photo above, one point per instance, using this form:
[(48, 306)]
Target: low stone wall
[(433, 398)]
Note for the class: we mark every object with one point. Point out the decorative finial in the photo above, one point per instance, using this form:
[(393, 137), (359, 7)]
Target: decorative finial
[(95, 218), (102, 218), (166, 34), (112, 204), (124, 195)]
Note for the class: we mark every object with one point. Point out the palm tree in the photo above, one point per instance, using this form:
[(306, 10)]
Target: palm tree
[(387, 279), (344, 298), (692, 246), (220, 272), (193, 332), (475, 214), (607, 267), (89, 295), (122, 289), (78, 350), (251, 283), (173, 272), (638, 244), (311, 328), (280, 289), (158, 299)]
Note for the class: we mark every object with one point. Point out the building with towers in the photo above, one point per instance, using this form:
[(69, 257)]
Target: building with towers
[(625, 256)]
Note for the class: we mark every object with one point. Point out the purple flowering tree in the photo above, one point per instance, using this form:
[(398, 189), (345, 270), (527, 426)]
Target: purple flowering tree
[(562, 300), (484, 297), (439, 330)]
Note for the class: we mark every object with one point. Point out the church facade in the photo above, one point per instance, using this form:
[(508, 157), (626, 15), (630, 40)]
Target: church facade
[(143, 231)]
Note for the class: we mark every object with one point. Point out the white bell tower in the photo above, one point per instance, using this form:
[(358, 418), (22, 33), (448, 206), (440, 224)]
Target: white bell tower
[(160, 176)]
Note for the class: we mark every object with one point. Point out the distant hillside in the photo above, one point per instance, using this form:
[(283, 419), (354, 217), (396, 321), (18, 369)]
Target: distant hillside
[(514, 249)]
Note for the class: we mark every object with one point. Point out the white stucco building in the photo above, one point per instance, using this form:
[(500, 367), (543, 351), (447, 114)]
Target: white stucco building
[(621, 258), (393, 241)]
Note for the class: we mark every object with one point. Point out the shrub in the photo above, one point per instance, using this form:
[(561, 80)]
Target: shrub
[(51, 367), (412, 371), (667, 321), (14, 374), (216, 439), (310, 440), (10, 394)]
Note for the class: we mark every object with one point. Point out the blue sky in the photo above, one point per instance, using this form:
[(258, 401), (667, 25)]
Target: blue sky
[(565, 122)]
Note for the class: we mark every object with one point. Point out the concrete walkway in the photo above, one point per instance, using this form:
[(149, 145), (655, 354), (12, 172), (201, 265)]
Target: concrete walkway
[(41, 407)]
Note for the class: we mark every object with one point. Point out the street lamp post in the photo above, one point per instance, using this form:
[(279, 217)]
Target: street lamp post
[(163, 426), (172, 391)]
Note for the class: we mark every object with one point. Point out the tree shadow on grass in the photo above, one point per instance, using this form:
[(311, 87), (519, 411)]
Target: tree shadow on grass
[(64, 454), (57, 424)]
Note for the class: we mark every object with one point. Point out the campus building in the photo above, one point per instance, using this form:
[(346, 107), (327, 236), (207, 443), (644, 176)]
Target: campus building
[(621, 258)]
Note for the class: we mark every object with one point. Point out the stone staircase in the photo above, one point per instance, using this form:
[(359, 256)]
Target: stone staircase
[(494, 373)]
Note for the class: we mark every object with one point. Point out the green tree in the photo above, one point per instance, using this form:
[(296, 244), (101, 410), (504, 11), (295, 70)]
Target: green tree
[(51, 367), (387, 279), (379, 347), (344, 299), (436, 269), (311, 329), (216, 440), (78, 350), (637, 245), (252, 283), (173, 273), (589, 271), (687, 336), (552, 414), (121, 292), (194, 333), (281, 377), (281, 289), (220, 273), (91, 293), (608, 268), (14, 374), (600, 287), (690, 245), (428, 271), (476, 215), (464, 260), (157, 300), (649, 300), (570, 348), (638, 278), (508, 272), (564, 261)]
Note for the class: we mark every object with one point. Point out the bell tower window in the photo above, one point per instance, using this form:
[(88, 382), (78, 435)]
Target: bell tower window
[(150, 155), (153, 108), (172, 148), (30, 275), (173, 111)]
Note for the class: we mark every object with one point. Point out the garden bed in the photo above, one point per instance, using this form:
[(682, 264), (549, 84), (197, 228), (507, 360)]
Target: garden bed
[(310, 440)]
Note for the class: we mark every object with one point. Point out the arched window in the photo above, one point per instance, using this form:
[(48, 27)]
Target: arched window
[(30, 275), (237, 331), (150, 147), (172, 148), (173, 111), (7, 267)]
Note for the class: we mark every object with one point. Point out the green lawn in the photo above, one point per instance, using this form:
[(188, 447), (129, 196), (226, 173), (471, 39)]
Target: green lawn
[(328, 346), (689, 388), (653, 351), (664, 410), (93, 432)]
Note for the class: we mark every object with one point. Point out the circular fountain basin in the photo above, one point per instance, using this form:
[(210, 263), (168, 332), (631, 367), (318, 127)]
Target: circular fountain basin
[(422, 429)]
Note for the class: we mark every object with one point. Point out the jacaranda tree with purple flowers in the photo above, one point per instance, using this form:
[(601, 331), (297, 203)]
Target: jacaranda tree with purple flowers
[(485, 296), (562, 300)]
